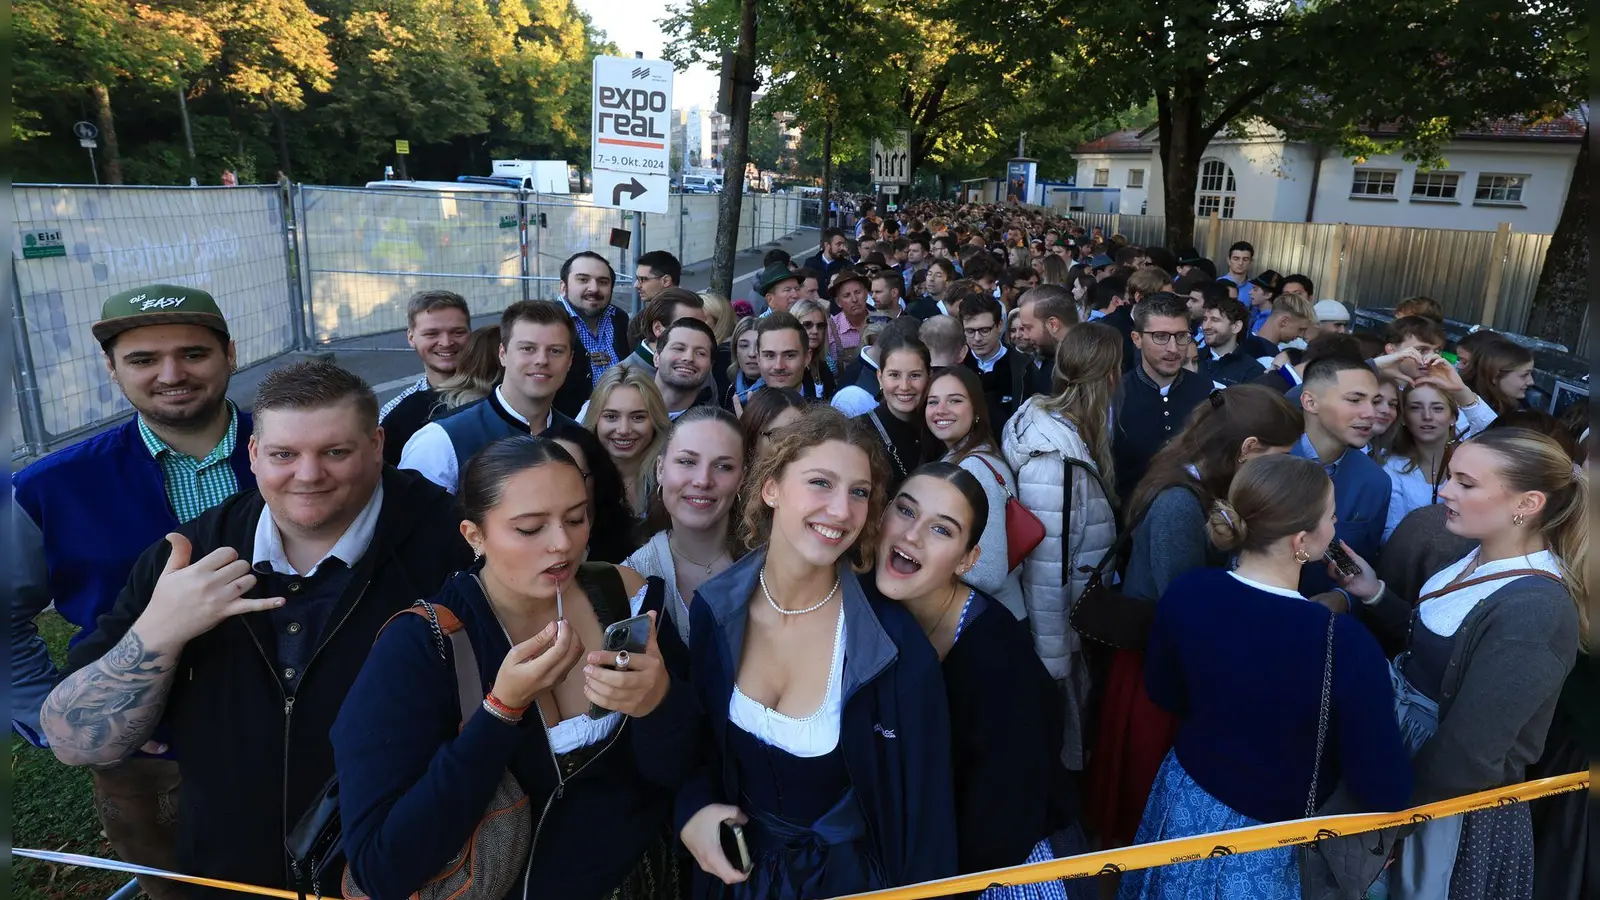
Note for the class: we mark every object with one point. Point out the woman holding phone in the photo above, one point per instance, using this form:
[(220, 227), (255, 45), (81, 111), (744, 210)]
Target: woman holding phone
[(415, 781), (828, 758), (1005, 721)]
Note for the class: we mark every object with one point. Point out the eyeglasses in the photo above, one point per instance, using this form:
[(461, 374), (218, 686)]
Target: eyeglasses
[(975, 333), (1163, 338), (638, 278)]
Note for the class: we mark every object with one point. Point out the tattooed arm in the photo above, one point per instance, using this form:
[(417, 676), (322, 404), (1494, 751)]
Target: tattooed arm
[(106, 710), (109, 707)]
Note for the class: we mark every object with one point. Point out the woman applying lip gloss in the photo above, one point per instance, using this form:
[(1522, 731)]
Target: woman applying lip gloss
[(829, 736)]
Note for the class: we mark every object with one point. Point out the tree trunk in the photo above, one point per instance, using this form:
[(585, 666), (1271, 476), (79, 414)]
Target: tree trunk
[(283, 140), (110, 159), (732, 197), (188, 133), (1181, 148), (1560, 302)]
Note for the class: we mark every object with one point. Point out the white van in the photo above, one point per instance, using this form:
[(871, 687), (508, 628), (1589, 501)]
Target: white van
[(699, 184)]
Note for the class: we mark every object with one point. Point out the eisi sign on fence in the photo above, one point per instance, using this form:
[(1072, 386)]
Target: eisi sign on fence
[(42, 244), (632, 135)]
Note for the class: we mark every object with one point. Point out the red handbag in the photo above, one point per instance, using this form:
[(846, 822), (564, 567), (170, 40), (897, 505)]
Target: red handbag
[(1024, 531)]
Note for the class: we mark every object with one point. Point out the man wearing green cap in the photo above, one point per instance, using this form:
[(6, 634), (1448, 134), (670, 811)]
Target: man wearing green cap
[(91, 509), (780, 285)]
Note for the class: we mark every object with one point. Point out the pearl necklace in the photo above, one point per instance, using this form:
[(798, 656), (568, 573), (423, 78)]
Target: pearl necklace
[(795, 612)]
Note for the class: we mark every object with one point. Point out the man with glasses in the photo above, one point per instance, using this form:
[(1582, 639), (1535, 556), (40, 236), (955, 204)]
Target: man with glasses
[(982, 324), (1158, 393), (657, 271)]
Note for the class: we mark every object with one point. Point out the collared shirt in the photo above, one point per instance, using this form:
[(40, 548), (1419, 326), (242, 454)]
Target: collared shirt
[(849, 335), (195, 485), (267, 554), (421, 384), (1304, 450), (986, 366), (430, 453), (599, 344)]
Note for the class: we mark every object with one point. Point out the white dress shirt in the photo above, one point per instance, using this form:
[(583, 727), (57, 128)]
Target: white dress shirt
[(268, 553)]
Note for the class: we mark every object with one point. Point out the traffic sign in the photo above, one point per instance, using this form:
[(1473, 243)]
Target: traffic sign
[(402, 148), (88, 143), (892, 164), (632, 133), (890, 189), (85, 131)]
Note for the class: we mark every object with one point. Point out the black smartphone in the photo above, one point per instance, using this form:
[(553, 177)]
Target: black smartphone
[(1341, 560), (632, 635), (734, 847)]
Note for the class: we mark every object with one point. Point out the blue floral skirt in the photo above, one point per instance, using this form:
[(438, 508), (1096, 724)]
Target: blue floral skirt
[(1180, 808)]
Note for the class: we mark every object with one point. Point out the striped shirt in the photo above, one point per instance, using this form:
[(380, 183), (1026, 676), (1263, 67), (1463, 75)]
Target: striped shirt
[(421, 384), (195, 485)]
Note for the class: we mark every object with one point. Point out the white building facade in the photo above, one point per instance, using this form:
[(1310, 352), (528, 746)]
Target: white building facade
[(1506, 172)]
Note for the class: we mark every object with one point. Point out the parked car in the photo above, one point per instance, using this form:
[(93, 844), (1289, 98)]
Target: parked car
[(700, 184)]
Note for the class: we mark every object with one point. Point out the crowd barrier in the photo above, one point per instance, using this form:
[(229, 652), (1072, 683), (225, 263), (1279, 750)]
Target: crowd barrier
[(1104, 862), (294, 266)]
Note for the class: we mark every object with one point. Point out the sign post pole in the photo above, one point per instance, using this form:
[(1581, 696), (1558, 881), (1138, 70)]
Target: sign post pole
[(87, 134)]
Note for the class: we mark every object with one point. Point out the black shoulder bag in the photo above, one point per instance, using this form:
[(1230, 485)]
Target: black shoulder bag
[(1102, 613)]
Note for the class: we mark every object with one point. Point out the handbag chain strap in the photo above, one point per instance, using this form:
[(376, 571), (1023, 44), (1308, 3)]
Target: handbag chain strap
[(1322, 718), (884, 433)]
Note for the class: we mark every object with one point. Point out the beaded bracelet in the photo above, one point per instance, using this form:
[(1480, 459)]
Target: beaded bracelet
[(501, 711)]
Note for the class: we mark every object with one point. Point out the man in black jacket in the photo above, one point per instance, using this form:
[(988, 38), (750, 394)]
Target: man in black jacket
[(1157, 395), (238, 636), (1223, 360)]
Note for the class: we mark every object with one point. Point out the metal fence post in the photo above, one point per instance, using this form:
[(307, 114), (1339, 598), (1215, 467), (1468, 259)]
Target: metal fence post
[(538, 238), (1497, 271), (309, 313), (297, 312), (522, 238), (28, 396)]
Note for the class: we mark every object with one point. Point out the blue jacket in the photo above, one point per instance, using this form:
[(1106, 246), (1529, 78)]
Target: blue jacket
[(412, 787), (894, 730), (95, 507), (1361, 501), (1242, 668)]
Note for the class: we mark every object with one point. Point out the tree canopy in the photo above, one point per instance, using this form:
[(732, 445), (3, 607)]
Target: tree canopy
[(324, 86)]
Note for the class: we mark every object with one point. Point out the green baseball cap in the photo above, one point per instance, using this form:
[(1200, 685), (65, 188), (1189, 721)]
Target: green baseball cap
[(158, 304)]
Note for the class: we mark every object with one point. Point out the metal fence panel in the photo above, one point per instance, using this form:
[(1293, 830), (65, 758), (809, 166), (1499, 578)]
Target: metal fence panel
[(1384, 265), (228, 241), (1524, 262)]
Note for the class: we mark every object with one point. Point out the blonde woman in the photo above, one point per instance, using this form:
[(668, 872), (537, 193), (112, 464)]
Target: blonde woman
[(722, 317), (629, 417), (1060, 447), (823, 339)]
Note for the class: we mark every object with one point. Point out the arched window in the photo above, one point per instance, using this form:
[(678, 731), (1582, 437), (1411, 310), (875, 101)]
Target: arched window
[(1215, 193)]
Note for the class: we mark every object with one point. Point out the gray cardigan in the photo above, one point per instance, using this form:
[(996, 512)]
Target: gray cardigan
[(1511, 656), (1169, 541)]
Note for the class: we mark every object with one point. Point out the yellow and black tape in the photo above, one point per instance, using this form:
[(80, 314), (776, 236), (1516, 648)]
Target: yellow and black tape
[(1104, 862)]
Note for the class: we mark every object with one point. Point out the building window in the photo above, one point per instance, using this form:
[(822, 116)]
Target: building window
[(1435, 186), (1373, 183), (1136, 178), (1102, 177), (1217, 188), (1500, 188)]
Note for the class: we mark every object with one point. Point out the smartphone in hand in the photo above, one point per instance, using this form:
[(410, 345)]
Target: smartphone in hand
[(1346, 567), (735, 848), (632, 635)]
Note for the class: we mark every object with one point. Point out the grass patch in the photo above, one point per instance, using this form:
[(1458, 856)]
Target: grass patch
[(52, 808)]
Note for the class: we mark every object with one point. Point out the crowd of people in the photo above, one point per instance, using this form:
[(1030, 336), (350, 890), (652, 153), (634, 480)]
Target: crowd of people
[(976, 538)]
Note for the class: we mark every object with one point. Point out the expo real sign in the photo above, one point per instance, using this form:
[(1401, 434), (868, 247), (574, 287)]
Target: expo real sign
[(632, 135)]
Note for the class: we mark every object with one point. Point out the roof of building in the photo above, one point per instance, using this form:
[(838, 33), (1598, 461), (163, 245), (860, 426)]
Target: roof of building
[(1128, 140)]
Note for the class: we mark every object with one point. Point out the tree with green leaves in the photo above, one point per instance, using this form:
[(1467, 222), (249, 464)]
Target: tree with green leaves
[(1320, 71)]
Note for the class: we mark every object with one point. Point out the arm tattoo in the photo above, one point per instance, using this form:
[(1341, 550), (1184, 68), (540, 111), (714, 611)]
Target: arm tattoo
[(108, 709)]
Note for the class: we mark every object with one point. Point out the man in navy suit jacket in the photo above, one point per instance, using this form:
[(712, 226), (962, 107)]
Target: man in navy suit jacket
[(1339, 398)]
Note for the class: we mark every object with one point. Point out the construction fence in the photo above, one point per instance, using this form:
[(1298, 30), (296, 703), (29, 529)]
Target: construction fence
[(302, 265), (1480, 277)]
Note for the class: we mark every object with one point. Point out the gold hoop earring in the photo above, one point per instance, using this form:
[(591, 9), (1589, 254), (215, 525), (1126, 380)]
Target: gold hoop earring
[(1518, 519), (1302, 557)]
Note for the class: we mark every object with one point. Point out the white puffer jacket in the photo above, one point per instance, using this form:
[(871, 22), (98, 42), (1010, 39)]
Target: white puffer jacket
[(1036, 444)]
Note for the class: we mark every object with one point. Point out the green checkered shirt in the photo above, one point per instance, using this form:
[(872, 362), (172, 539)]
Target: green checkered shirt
[(195, 485)]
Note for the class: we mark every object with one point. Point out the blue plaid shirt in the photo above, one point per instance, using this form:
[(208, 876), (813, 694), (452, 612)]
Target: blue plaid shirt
[(601, 342)]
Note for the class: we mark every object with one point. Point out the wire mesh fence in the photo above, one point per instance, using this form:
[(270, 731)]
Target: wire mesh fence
[(227, 241), (305, 266)]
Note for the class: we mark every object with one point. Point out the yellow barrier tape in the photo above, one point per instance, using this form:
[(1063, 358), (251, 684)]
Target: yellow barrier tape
[(1227, 843), (1104, 862)]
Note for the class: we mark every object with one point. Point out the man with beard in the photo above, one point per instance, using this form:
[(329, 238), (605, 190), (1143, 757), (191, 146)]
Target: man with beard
[(1157, 394), (683, 365), (91, 509), (1046, 312), (586, 284)]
